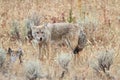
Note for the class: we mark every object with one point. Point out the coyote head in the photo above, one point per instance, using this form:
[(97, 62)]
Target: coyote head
[(15, 54), (39, 33)]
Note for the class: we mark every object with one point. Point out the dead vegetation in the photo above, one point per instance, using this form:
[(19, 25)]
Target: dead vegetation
[(98, 19)]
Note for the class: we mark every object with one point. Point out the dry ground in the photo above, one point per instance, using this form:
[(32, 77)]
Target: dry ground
[(106, 13)]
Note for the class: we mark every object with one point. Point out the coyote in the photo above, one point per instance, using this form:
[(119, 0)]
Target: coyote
[(55, 32), (14, 54)]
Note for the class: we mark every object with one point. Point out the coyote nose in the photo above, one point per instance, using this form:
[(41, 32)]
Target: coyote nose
[(40, 39)]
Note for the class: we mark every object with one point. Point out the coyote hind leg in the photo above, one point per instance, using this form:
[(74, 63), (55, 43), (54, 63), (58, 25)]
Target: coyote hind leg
[(67, 41)]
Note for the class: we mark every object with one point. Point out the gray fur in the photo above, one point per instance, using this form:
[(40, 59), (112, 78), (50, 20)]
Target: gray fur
[(56, 32)]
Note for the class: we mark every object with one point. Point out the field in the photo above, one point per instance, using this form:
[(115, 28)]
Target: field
[(100, 20)]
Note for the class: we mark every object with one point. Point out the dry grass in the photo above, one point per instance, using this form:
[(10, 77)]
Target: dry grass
[(100, 20)]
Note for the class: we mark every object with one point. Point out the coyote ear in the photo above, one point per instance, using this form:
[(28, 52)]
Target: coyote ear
[(20, 49), (9, 50)]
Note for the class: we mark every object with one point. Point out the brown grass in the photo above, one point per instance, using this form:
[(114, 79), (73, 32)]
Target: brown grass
[(107, 35)]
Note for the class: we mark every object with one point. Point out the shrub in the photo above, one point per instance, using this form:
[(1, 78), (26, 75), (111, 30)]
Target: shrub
[(89, 25), (27, 28), (2, 56), (28, 23), (15, 32), (64, 60), (34, 19), (103, 62), (33, 70)]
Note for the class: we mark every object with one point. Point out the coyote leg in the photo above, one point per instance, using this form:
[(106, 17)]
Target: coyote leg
[(49, 50), (40, 51), (67, 41), (34, 44)]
